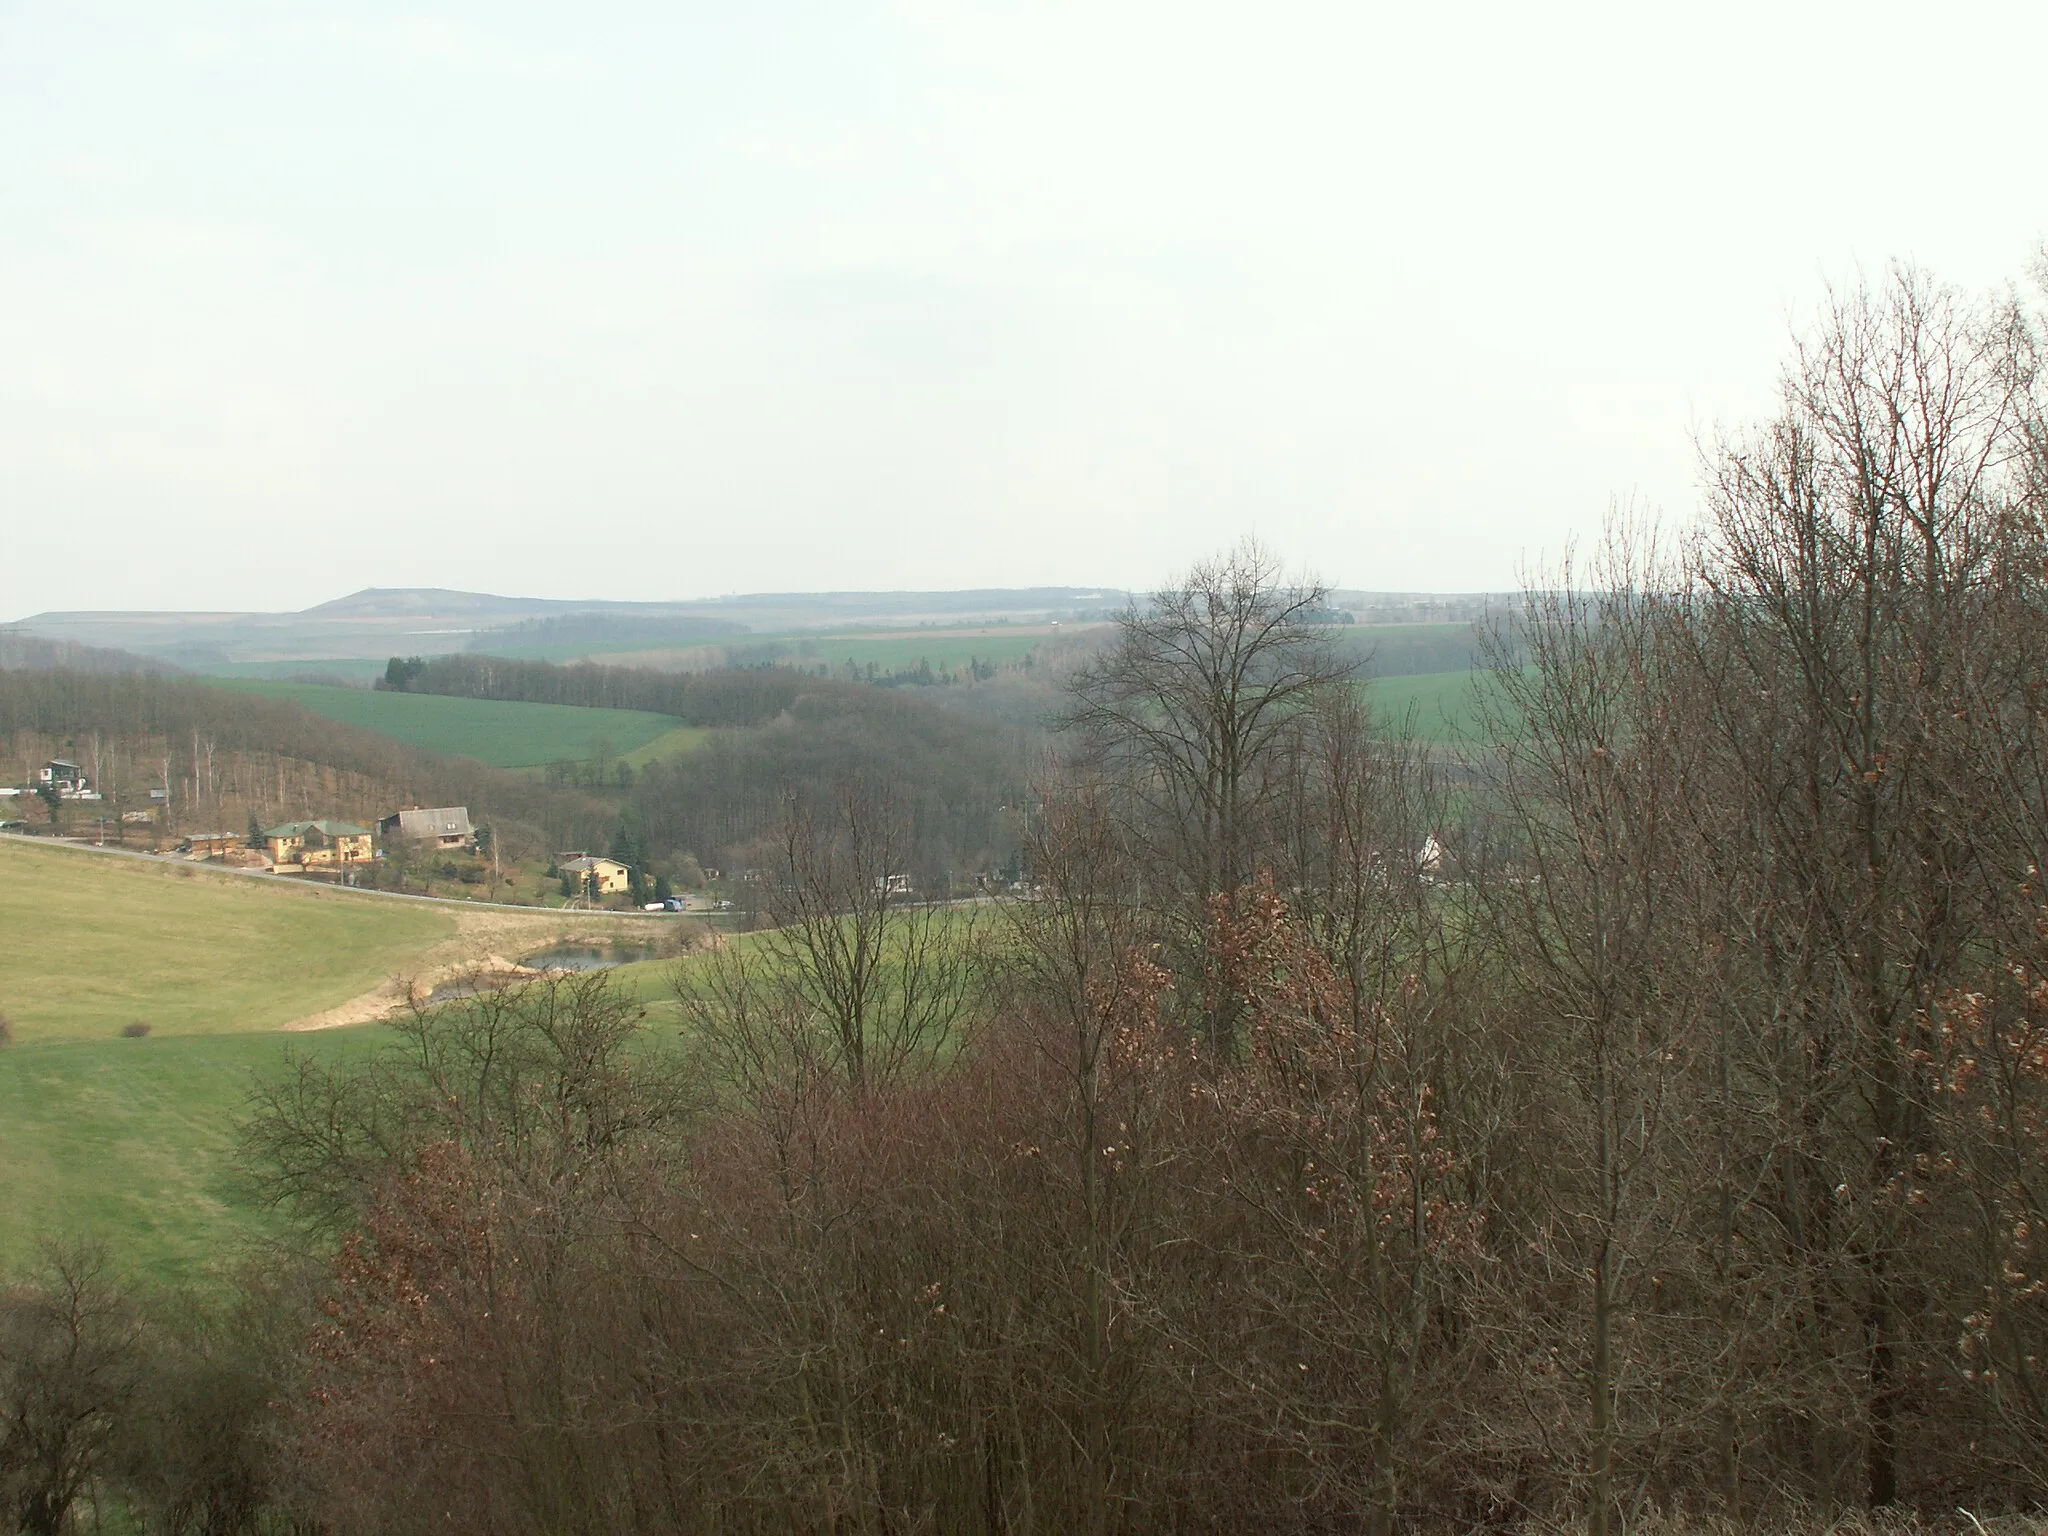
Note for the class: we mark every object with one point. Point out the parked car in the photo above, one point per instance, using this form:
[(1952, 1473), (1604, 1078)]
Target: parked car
[(675, 904)]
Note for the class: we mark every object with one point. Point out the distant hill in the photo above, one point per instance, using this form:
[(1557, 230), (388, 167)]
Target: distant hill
[(379, 622), (343, 636), (443, 603)]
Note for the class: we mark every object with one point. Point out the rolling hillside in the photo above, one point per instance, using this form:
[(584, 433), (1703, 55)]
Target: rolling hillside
[(130, 1138)]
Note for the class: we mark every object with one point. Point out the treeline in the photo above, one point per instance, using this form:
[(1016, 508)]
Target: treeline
[(21, 650), (227, 755), (617, 632), (957, 782)]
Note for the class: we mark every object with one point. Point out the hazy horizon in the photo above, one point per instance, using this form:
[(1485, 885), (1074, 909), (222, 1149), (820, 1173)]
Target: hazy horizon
[(1078, 589), (666, 303)]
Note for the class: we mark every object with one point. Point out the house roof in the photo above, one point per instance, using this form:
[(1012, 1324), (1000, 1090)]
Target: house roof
[(583, 863), (433, 821), (60, 762), (324, 828)]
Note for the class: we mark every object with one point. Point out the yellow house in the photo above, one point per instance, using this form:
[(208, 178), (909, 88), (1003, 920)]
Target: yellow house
[(608, 876), (318, 844)]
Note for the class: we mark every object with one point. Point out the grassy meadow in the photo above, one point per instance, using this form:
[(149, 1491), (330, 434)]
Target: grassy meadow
[(675, 740), (132, 1142), (132, 1139), (91, 943), (499, 733)]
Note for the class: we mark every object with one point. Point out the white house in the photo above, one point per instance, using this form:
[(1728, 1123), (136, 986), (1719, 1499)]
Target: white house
[(68, 779)]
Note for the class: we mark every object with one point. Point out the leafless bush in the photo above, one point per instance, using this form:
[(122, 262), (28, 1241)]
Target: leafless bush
[(69, 1356), (134, 1030)]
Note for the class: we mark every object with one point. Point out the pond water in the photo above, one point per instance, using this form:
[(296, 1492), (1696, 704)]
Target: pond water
[(558, 957), (586, 957)]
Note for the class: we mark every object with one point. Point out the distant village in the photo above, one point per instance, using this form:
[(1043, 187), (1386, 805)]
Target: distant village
[(323, 848)]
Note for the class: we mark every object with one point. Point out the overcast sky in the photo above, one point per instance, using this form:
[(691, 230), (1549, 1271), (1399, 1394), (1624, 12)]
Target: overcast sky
[(674, 299)]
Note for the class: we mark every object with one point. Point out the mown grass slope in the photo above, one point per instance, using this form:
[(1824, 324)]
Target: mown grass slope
[(131, 1142), (502, 734), (90, 943)]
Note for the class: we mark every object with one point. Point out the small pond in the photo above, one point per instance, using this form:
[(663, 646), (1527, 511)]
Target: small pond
[(558, 958), (586, 957)]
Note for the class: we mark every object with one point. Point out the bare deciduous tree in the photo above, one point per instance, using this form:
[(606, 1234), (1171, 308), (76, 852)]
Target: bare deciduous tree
[(856, 977), (1191, 714)]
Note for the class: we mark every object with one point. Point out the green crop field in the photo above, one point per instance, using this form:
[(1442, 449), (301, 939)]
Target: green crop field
[(90, 943), (676, 739), (1444, 706), (504, 735)]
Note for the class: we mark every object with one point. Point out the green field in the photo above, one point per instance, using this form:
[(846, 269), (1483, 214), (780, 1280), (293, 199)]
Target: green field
[(130, 1139), (504, 735), (1444, 706), (132, 1142), (670, 743), (89, 943)]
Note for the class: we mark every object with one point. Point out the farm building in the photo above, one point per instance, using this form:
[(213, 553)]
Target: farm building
[(608, 876), (317, 844), (209, 845), (444, 826)]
